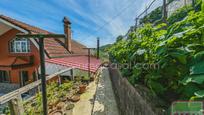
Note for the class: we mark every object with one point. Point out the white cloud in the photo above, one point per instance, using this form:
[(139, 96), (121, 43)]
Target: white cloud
[(114, 17), (90, 18)]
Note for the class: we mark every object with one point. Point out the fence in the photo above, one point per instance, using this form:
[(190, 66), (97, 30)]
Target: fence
[(176, 4), (130, 102), (156, 6), (14, 98)]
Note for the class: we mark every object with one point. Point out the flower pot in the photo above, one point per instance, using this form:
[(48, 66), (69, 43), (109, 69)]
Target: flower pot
[(57, 113), (75, 98), (91, 78), (60, 105), (82, 89)]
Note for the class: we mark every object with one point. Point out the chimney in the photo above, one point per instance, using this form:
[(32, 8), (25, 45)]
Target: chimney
[(67, 32)]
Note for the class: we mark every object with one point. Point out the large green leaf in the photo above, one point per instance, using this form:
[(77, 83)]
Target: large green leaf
[(161, 50), (180, 57), (194, 47), (200, 93), (179, 54), (189, 90), (156, 86), (199, 79), (198, 68), (186, 80), (199, 56)]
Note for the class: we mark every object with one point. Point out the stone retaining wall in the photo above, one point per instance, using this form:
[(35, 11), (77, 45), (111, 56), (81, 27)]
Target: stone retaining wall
[(129, 100)]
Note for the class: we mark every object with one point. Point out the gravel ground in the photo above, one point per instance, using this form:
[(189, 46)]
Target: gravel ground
[(105, 103)]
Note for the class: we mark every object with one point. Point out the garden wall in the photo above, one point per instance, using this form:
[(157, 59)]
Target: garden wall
[(129, 101)]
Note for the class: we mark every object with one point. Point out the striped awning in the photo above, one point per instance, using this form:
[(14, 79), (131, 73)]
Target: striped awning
[(79, 62)]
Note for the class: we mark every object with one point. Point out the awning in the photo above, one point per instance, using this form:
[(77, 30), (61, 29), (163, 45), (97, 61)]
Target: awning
[(79, 62)]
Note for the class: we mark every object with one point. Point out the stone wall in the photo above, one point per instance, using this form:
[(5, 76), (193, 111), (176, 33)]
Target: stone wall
[(134, 100), (129, 99), (7, 87), (176, 4)]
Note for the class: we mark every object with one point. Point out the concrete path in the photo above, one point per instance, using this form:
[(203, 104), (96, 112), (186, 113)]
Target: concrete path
[(105, 103), (85, 105)]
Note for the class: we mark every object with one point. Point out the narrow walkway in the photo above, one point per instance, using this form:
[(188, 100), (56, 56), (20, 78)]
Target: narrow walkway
[(105, 103), (85, 104)]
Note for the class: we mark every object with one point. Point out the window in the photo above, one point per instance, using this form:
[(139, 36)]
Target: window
[(4, 77), (34, 76), (20, 45), (24, 78)]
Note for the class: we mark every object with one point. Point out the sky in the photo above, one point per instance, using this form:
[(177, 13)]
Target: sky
[(90, 19)]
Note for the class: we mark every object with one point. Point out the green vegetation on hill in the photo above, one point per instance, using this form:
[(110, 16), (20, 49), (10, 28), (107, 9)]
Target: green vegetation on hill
[(104, 52), (179, 52), (181, 13), (105, 47), (156, 15), (152, 17)]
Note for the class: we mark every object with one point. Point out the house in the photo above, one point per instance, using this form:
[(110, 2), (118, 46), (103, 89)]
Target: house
[(19, 57)]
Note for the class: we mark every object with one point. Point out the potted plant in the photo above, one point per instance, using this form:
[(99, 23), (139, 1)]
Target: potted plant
[(82, 88), (85, 79), (91, 78), (77, 78)]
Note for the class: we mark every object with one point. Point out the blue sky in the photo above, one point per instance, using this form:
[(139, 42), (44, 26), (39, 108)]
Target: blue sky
[(90, 18)]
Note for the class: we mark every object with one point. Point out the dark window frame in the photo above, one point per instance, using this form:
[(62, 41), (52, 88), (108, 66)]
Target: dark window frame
[(4, 77), (24, 78)]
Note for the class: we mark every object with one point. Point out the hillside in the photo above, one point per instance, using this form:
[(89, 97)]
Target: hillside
[(167, 57)]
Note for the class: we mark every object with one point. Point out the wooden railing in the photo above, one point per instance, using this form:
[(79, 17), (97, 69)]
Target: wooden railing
[(15, 94)]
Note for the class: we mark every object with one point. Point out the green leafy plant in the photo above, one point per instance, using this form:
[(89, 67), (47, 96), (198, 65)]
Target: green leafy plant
[(54, 94), (153, 16), (177, 48)]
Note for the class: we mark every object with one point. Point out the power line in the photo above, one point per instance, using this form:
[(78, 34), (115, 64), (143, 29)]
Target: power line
[(118, 14), (147, 8)]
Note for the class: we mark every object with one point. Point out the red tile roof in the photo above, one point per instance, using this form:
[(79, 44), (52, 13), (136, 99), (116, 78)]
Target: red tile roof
[(80, 62), (53, 47)]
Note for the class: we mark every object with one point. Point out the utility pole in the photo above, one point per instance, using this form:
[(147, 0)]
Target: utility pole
[(89, 60), (164, 11), (41, 38), (136, 22), (98, 46)]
